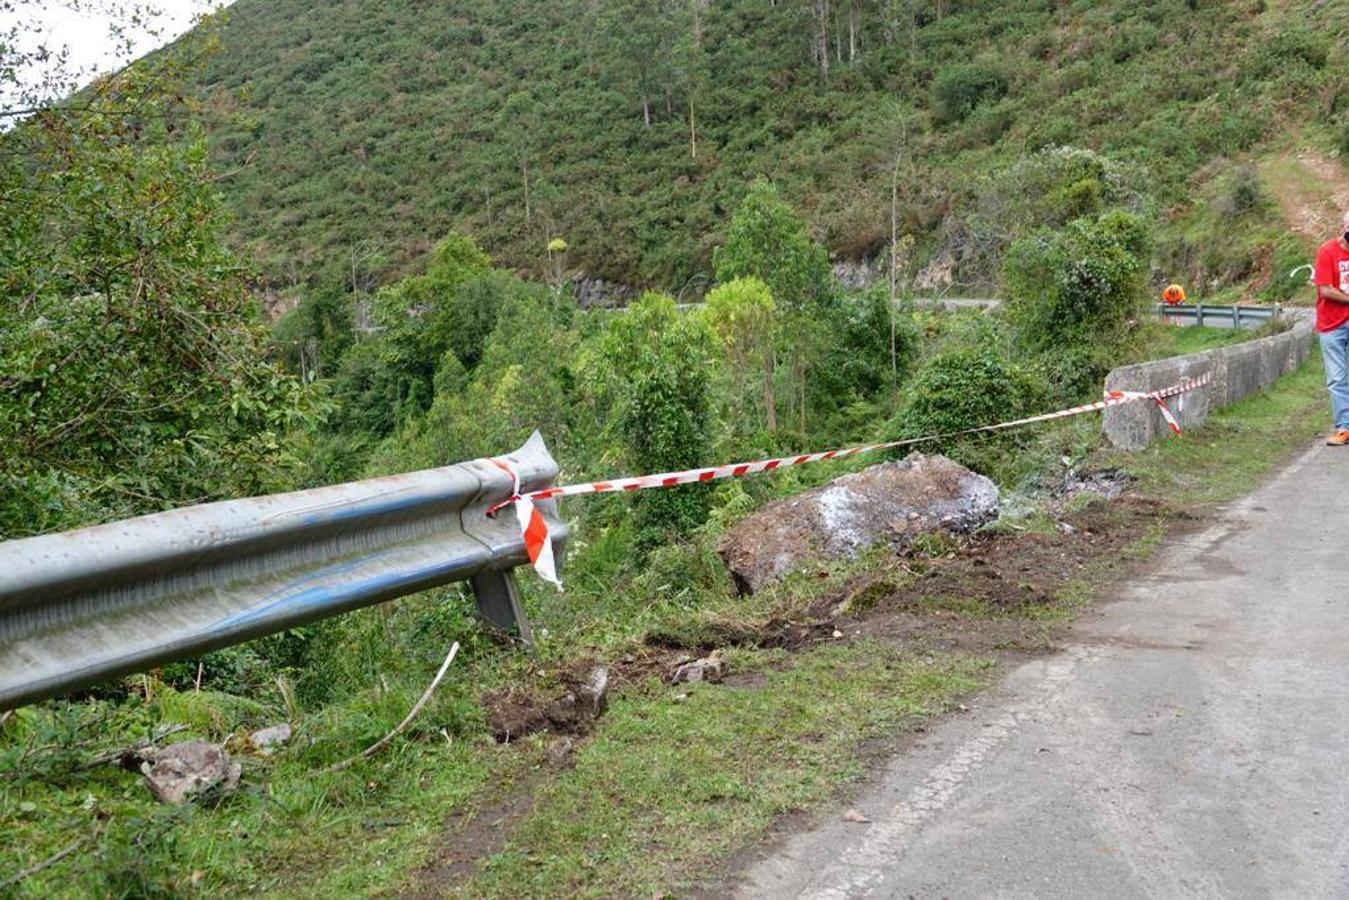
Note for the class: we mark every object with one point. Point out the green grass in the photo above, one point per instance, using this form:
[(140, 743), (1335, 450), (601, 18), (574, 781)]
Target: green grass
[(290, 820), (670, 786), (1238, 446), (1181, 340)]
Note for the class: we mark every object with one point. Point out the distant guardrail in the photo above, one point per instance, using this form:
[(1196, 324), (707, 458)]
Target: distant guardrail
[(84, 606), (1236, 316)]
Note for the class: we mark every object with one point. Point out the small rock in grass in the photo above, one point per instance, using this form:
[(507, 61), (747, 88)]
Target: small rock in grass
[(708, 668), (595, 689), (267, 740), (180, 771)]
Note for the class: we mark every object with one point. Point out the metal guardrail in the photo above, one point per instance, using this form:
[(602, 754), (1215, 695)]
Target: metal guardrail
[(84, 606), (1220, 316)]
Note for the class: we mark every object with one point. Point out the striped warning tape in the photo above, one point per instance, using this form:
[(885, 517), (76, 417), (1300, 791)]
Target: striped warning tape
[(535, 530)]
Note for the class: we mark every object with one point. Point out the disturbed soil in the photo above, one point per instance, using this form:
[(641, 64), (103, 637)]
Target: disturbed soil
[(977, 596)]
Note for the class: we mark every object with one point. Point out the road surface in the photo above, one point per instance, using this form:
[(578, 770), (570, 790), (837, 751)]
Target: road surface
[(1192, 740)]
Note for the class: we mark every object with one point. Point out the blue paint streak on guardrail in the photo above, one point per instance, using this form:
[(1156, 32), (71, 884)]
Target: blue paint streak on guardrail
[(374, 509), (315, 599)]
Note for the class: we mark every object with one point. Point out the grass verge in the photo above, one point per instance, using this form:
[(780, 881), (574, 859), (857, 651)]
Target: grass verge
[(680, 776)]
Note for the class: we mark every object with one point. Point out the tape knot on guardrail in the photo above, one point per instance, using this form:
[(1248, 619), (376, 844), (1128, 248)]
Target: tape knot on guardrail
[(533, 528)]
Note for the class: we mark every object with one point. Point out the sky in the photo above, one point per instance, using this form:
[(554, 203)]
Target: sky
[(85, 28)]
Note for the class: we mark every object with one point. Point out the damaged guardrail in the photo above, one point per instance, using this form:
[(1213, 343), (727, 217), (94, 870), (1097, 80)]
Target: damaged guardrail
[(84, 606)]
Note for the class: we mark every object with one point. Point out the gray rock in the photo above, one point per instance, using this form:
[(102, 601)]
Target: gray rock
[(706, 669), (266, 740), (595, 690), (857, 275), (1108, 483), (181, 771), (893, 502), (592, 292)]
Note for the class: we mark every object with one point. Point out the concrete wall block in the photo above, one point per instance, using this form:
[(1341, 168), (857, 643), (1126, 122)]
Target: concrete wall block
[(1236, 372)]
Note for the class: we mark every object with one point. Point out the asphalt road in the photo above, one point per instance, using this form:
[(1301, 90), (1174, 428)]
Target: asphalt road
[(1192, 740)]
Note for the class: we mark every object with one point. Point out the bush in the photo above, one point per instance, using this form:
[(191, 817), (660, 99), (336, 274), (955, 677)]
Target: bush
[(962, 389), (1289, 49), (856, 361), (1240, 192), (653, 372), (1074, 295), (961, 87)]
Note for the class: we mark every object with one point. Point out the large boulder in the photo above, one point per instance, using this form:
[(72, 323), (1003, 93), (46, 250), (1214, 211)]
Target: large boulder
[(894, 501)]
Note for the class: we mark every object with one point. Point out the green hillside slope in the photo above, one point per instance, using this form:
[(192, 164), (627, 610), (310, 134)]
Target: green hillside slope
[(363, 131)]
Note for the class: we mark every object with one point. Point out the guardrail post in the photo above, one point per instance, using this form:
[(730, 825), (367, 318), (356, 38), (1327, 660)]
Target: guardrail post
[(498, 598)]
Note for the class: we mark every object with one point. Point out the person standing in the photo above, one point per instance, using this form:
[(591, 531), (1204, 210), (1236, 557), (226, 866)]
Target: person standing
[(1332, 325)]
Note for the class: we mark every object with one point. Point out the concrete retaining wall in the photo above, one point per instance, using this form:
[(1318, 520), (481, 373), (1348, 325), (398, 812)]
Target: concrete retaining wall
[(1238, 371)]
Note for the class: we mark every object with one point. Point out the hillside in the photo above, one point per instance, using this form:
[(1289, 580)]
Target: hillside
[(359, 133)]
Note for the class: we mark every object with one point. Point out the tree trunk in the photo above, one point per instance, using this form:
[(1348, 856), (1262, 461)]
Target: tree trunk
[(852, 30), (770, 403), (524, 176), (894, 271), (821, 40), (693, 130), (803, 397)]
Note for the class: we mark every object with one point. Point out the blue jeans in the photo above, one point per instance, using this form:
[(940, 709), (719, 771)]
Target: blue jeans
[(1334, 350)]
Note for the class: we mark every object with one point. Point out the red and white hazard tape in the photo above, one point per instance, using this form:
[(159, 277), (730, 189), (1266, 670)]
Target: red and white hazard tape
[(535, 529)]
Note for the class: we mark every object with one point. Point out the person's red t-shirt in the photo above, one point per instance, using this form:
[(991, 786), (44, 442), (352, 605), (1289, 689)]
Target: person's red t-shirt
[(1332, 269)]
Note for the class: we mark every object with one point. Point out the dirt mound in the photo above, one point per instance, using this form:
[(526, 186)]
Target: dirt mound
[(703, 637), (572, 709)]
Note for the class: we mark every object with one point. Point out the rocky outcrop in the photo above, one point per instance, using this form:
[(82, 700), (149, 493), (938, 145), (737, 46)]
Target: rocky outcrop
[(858, 275), (893, 502), (592, 292)]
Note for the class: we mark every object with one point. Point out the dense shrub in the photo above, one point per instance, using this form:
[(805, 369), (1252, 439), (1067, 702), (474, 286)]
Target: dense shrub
[(133, 366), (1289, 48), (857, 362), (961, 389), (652, 371), (961, 87), (1074, 295)]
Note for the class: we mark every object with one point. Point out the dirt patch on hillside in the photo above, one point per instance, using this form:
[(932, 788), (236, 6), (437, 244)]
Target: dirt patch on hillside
[(1313, 203)]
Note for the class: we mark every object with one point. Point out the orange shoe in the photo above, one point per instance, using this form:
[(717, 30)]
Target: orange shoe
[(1339, 438)]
